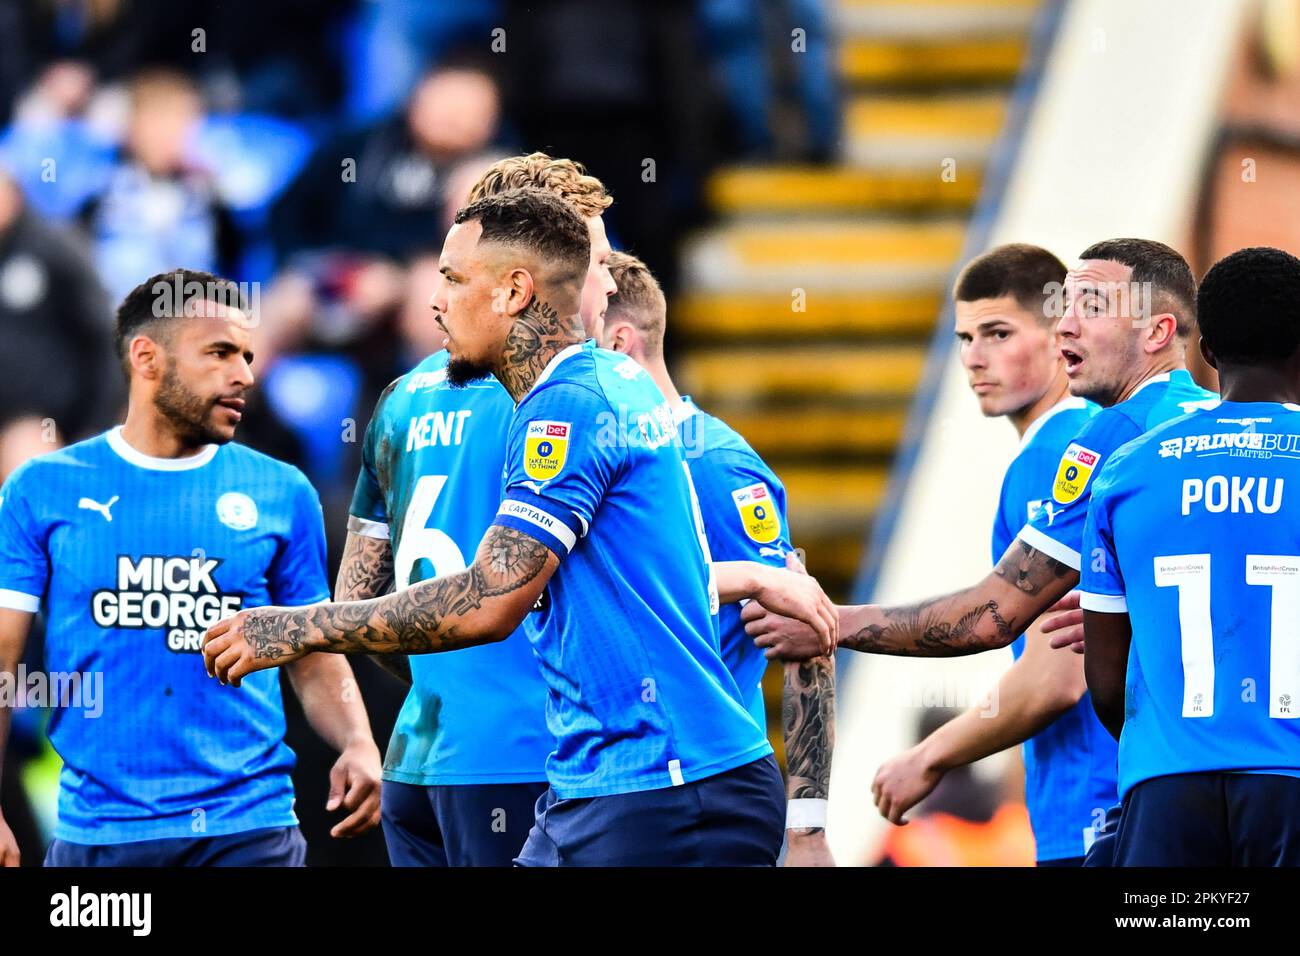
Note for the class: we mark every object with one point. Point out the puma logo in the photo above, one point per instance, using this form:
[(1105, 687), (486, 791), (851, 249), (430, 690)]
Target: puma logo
[(89, 505)]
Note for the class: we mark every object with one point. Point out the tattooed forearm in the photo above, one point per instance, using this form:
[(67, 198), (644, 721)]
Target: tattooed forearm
[(1025, 583), (808, 717), (537, 335), (424, 618), (366, 571)]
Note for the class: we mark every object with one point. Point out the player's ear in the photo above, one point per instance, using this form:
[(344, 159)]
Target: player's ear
[(1206, 353), (620, 338), (1161, 330), (146, 357), (516, 294)]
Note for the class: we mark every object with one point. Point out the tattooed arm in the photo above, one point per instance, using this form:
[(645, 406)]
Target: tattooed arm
[(1025, 583), (808, 717), (482, 604), (366, 571)]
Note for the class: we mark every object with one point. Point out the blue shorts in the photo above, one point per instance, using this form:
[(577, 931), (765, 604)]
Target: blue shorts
[(1102, 850), (466, 825), (736, 818), (1211, 819), (273, 846)]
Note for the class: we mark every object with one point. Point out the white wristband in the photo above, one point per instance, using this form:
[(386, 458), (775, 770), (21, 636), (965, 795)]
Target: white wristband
[(801, 814)]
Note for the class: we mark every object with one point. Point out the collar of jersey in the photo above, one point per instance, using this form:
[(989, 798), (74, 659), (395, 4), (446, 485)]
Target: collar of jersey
[(1065, 404), (141, 460), (683, 410), (1162, 377), (553, 364)]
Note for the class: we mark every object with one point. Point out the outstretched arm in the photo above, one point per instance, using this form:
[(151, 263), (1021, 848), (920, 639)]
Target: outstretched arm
[(482, 604), (1025, 583), (783, 592), (366, 571), (1038, 688)]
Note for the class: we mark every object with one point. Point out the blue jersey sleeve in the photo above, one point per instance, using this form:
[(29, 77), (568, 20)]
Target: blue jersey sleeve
[(563, 453), (297, 575), (1057, 528), (24, 561), (743, 508), (1101, 582), (369, 507)]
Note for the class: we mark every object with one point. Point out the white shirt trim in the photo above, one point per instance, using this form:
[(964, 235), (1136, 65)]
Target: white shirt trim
[(138, 458), (1064, 405), (1106, 603), (367, 528), (683, 410), (18, 601), (1163, 377), (552, 365), (1049, 546)]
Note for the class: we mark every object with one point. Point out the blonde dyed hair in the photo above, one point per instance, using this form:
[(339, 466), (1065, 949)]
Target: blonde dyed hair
[(567, 179)]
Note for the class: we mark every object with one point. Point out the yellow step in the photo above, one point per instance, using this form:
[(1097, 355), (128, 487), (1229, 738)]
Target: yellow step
[(743, 315), (932, 61), (882, 372), (834, 556), (842, 189), (846, 244), (817, 497), (970, 115), (785, 432)]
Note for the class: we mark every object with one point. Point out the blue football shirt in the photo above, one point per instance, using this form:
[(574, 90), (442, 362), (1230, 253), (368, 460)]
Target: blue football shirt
[(1070, 764), (1194, 532), (628, 638), (1057, 528), (431, 483), (743, 506), (132, 559)]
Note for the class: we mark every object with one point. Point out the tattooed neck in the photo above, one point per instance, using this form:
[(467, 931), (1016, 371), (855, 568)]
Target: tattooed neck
[(537, 336)]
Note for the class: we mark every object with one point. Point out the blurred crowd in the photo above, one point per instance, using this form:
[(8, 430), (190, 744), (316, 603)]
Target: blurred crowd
[(317, 150)]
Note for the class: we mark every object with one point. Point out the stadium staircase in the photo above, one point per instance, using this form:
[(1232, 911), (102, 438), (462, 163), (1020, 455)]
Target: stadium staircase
[(806, 310)]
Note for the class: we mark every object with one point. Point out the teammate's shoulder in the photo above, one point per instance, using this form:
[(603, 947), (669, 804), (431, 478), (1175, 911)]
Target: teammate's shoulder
[(53, 466), (708, 437)]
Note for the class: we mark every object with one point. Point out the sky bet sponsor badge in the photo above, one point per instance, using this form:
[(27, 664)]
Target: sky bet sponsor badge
[(1072, 476), (546, 446), (757, 512)]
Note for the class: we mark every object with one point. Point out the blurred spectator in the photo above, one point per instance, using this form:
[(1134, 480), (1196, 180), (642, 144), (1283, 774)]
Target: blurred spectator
[(398, 40), (624, 87), (158, 211), (383, 190), (420, 336), (59, 362), (753, 45), (57, 151)]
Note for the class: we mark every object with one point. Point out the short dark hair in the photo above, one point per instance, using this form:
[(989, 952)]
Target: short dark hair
[(1173, 286), (537, 220), (1249, 306), (164, 297), (1029, 274)]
